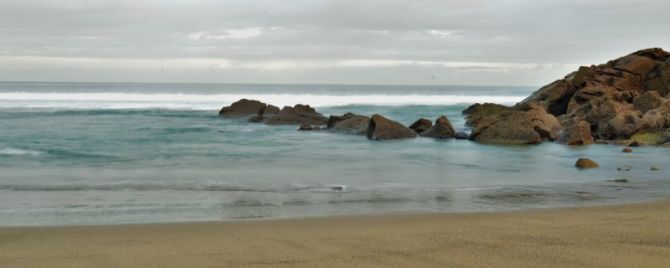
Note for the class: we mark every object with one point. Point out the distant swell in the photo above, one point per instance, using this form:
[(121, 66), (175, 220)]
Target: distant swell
[(18, 152), (215, 101)]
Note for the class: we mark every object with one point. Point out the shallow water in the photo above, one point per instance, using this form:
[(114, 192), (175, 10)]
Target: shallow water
[(115, 154)]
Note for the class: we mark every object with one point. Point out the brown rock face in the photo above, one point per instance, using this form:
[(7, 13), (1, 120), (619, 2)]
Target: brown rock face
[(577, 134), (586, 163), (476, 112), (617, 99), (349, 124), (243, 108), (511, 127), (297, 115), (421, 125), (441, 130), (381, 128)]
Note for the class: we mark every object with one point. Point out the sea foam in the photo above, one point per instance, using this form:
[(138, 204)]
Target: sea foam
[(216, 101)]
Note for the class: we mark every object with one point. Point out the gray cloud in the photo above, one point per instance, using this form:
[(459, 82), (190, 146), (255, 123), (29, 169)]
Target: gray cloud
[(393, 41)]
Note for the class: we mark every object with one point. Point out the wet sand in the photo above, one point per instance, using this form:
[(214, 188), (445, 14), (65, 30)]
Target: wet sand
[(635, 235)]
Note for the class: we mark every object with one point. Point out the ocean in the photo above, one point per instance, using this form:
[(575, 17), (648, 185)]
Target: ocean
[(110, 153)]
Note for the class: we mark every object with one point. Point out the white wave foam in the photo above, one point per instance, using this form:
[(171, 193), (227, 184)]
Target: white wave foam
[(216, 101), (18, 152)]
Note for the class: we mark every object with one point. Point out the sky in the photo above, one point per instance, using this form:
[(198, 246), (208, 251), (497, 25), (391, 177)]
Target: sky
[(440, 42)]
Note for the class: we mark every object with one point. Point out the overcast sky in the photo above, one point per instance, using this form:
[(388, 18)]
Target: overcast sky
[(463, 42)]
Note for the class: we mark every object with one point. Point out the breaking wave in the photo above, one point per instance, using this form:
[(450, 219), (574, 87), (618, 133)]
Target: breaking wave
[(215, 101)]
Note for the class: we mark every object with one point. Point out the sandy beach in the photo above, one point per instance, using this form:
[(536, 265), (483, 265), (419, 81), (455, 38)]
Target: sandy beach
[(634, 235)]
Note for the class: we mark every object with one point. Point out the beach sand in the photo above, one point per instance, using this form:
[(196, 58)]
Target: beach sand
[(635, 235)]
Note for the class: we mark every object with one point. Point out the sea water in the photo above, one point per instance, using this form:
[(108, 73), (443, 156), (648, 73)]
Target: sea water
[(107, 153)]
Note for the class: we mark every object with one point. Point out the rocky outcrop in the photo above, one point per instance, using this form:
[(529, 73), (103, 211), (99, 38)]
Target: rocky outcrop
[(297, 115), (441, 130), (348, 124), (611, 101), (421, 125), (243, 108), (381, 128)]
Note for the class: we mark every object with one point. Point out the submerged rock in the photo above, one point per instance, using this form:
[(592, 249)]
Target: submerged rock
[(381, 128), (421, 125), (627, 150), (586, 163), (441, 130)]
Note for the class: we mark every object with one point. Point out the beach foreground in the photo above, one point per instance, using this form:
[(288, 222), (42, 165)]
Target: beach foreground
[(634, 235)]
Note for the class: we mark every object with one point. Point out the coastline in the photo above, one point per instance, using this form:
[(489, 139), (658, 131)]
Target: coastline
[(612, 236)]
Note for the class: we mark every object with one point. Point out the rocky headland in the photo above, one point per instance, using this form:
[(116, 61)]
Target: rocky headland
[(625, 101)]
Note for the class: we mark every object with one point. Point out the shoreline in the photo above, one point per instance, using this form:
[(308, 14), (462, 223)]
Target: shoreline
[(608, 235)]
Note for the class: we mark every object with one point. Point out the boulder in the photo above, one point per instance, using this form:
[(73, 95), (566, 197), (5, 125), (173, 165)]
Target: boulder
[(577, 134), (511, 127), (297, 115), (476, 112), (243, 108), (349, 124), (441, 130), (270, 110), (381, 128), (545, 124), (586, 163), (622, 126), (421, 125), (306, 127)]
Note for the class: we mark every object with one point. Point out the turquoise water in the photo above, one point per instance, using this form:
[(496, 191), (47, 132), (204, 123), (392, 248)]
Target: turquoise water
[(82, 153)]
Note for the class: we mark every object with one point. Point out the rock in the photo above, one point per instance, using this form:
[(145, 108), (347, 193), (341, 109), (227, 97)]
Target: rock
[(545, 124), (297, 115), (648, 101), (623, 125), (476, 112), (270, 110), (634, 144), (441, 130), (617, 99), (381, 128), (462, 135), (349, 124), (621, 180), (577, 134), (256, 119), (654, 168), (306, 127), (586, 163), (421, 125), (553, 98), (511, 127), (243, 108), (627, 150)]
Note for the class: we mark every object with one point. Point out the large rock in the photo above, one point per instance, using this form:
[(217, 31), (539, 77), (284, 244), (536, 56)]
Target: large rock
[(577, 134), (381, 128), (545, 124), (511, 127), (349, 124), (441, 130), (586, 163), (617, 99), (421, 125), (297, 115), (243, 108), (476, 112)]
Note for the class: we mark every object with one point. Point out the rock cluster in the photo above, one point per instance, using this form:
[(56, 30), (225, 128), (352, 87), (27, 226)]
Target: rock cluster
[(625, 100), (376, 127)]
